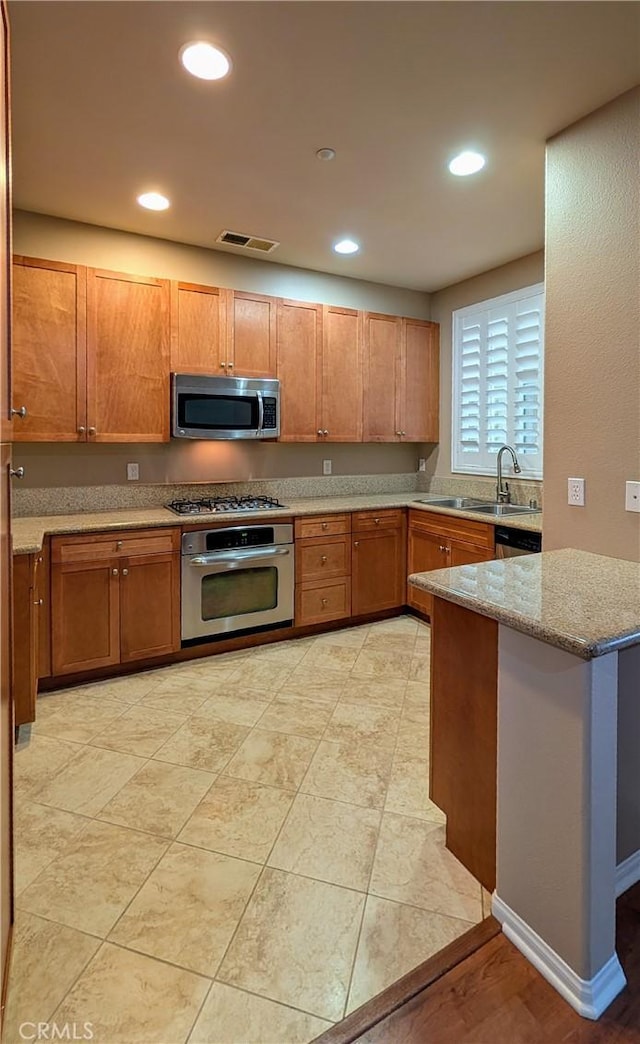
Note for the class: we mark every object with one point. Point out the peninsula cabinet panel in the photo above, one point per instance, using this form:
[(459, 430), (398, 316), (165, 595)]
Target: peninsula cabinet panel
[(127, 358), (198, 329), (420, 381), (299, 340), (49, 350), (26, 611), (341, 375), (378, 573), (251, 326), (382, 352), (85, 614), (149, 606)]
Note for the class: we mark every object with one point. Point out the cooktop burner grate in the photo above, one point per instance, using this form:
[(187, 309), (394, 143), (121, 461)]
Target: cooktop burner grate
[(215, 505)]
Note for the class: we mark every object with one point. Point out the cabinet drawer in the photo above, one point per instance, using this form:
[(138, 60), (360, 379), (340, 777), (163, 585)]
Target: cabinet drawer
[(317, 601), (326, 559), (98, 546), (322, 525), (365, 521), (479, 533)]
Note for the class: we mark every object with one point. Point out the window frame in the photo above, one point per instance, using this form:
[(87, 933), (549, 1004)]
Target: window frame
[(457, 467)]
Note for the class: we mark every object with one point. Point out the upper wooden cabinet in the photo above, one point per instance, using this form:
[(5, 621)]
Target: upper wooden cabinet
[(401, 379), (49, 350), (127, 357), (198, 329), (381, 372), (299, 341), (419, 398), (251, 334), (340, 413)]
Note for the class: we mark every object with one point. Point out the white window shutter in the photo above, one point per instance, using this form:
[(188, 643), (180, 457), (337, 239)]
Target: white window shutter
[(498, 349)]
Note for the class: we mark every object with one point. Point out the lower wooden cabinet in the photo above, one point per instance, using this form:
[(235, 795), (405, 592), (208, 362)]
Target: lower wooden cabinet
[(437, 541), (116, 606), (323, 569), (378, 561), (319, 601)]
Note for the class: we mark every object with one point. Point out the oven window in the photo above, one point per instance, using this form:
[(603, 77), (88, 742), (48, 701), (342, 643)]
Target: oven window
[(218, 412), (238, 592)]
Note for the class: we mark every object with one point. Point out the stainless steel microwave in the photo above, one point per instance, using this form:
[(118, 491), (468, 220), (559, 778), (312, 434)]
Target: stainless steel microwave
[(224, 407)]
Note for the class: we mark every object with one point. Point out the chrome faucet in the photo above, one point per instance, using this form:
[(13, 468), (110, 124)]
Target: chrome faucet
[(503, 494)]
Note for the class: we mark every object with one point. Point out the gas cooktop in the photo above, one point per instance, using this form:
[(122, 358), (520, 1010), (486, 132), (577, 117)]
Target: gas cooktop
[(218, 505)]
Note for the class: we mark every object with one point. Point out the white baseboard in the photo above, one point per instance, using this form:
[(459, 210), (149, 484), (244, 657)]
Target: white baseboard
[(589, 997), (627, 873)]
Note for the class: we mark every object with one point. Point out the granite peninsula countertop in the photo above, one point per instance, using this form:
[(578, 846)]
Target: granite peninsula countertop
[(29, 532), (583, 603)]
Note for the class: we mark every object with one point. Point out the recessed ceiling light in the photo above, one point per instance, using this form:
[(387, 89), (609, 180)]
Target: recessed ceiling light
[(346, 246), (326, 154), (205, 61), (153, 201), (467, 163)]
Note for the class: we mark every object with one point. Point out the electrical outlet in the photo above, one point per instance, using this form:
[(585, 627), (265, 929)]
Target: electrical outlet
[(422, 464), (632, 497), (575, 492), (326, 467), (133, 472)]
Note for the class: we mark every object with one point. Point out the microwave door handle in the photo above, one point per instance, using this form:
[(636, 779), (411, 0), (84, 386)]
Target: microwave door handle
[(236, 556), (260, 412)]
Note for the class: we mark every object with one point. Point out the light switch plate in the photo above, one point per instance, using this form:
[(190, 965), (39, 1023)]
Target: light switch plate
[(326, 467), (133, 472), (632, 496), (575, 492)]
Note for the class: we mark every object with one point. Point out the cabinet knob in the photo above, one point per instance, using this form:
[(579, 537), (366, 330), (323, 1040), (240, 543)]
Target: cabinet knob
[(17, 472), (229, 366), (81, 429), (92, 431), (21, 412), (119, 545), (356, 543), (222, 366), (323, 559), (39, 601), (125, 572), (403, 433), (442, 548), (320, 432), (115, 572), (40, 559), (376, 521), (398, 433), (325, 525), (324, 600), (325, 432)]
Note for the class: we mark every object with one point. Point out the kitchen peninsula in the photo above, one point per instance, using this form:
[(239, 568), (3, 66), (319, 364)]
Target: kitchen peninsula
[(552, 653)]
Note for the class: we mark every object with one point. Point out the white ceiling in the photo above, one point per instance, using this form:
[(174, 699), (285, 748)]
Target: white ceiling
[(102, 111)]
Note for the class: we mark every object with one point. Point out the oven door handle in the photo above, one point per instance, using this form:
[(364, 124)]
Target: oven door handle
[(236, 556)]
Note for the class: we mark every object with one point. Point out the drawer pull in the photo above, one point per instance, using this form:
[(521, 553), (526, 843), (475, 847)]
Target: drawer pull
[(323, 559), (119, 545), (324, 601), (325, 525), (376, 521)]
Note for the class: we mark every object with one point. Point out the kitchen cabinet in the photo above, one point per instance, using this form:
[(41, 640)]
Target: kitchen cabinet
[(114, 599), (127, 357), (437, 541), (27, 604), (381, 374), (251, 334), (378, 561), (401, 379), (299, 341), (340, 406), (463, 737), (198, 329), (323, 569), (49, 351)]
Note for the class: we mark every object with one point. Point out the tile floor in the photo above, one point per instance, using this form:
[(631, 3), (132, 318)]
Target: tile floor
[(239, 850)]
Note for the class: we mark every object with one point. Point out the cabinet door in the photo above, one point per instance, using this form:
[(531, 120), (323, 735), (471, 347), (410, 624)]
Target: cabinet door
[(426, 551), (198, 329), (381, 407), (25, 638), (378, 571), (341, 375), (149, 606), (127, 358), (420, 381), (85, 616), (251, 334), (299, 343), (466, 554), (49, 350)]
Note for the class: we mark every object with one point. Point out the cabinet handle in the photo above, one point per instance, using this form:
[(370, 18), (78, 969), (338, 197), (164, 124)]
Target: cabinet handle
[(17, 472), (125, 572), (323, 559), (118, 545), (81, 429), (39, 601), (21, 412), (115, 572), (356, 543), (92, 431)]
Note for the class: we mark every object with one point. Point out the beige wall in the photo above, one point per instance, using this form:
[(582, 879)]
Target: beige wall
[(39, 235), (592, 355), (524, 272)]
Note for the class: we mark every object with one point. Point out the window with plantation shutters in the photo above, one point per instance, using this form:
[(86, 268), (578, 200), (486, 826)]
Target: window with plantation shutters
[(498, 382)]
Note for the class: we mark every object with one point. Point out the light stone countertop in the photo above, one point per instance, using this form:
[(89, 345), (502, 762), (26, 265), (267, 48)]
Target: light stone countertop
[(29, 532), (583, 603)]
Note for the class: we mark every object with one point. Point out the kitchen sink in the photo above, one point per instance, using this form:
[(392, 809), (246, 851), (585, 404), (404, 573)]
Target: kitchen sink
[(460, 503), (504, 509)]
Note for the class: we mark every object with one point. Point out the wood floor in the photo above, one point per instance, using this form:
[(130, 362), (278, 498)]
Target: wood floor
[(495, 996)]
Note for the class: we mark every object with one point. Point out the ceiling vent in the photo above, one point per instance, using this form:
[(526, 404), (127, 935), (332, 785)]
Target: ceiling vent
[(239, 239)]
